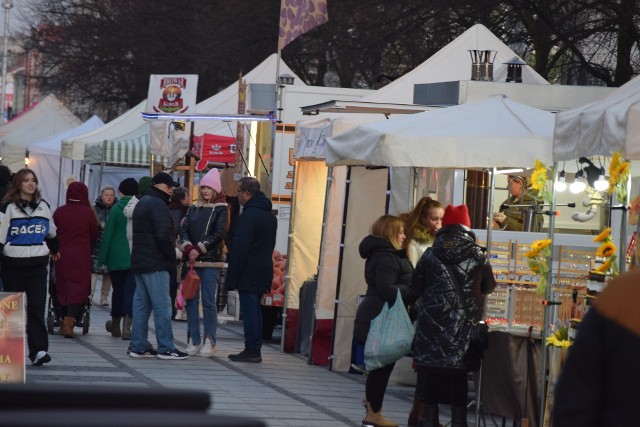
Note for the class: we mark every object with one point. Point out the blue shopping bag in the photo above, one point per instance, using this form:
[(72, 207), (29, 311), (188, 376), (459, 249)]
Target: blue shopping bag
[(390, 336)]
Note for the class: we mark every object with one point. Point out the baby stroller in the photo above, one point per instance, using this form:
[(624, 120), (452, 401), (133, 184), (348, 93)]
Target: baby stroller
[(53, 312)]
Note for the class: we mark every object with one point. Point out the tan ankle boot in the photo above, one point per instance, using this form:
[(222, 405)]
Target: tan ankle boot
[(113, 326), (67, 327), (375, 419), (126, 328)]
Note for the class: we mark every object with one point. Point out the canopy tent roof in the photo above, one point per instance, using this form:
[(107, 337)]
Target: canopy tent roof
[(495, 132), (226, 101), (452, 63), (74, 147), (132, 149), (47, 117), (52, 145), (602, 127)]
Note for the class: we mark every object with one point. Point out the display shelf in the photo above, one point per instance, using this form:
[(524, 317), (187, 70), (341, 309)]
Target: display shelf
[(497, 302), (574, 265)]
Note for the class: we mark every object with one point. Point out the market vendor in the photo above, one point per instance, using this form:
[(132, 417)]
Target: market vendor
[(510, 217)]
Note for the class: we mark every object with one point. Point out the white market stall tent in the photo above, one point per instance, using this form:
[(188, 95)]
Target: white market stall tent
[(451, 63), (42, 120), (474, 135), (51, 168)]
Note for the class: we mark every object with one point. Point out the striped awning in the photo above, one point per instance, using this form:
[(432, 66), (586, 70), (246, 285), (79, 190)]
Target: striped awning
[(133, 151)]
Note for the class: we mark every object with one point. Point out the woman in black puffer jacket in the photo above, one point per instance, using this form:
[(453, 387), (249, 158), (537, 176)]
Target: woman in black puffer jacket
[(386, 270), (441, 346)]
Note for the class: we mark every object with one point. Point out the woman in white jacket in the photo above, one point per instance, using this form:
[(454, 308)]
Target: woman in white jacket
[(27, 239)]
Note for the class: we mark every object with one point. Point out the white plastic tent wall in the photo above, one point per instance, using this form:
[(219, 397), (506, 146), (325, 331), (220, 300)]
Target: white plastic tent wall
[(43, 120), (451, 63), (601, 128), (51, 168)]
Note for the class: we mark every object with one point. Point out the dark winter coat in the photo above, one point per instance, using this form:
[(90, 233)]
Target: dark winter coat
[(77, 228), (386, 270), (115, 248), (102, 212), (598, 383), (443, 328), (153, 234), (205, 227), (250, 255)]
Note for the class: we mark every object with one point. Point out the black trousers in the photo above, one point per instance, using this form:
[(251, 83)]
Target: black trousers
[(376, 386), (439, 388), (32, 281)]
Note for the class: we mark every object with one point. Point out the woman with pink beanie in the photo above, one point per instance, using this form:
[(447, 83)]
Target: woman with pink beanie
[(202, 235)]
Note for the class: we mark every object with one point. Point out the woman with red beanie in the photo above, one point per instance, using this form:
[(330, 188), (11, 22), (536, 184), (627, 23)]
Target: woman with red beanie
[(454, 275)]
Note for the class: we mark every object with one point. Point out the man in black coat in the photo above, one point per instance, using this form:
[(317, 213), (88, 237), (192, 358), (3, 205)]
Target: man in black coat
[(152, 257), (250, 264)]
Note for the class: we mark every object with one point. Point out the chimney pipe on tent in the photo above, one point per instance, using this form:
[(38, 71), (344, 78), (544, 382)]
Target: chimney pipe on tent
[(514, 69), (482, 64)]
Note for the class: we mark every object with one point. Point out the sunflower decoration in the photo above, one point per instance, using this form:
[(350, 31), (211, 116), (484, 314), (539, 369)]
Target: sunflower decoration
[(539, 181), (607, 251), (560, 338), (618, 177), (537, 261)]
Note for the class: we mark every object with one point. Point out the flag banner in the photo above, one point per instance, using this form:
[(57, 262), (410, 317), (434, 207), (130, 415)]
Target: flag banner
[(12, 333), (172, 93), (214, 149), (299, 16)]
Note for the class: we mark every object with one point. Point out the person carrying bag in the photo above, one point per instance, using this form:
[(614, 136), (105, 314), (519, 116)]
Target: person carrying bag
[(382, 315)]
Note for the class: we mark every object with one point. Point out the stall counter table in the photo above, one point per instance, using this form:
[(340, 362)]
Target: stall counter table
[(510, 376)]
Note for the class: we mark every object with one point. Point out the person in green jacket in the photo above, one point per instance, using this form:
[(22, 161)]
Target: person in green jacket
[(115, 253), (512, 218)]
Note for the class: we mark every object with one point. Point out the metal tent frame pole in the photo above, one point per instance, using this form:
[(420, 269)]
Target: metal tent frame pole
[(547, 295)]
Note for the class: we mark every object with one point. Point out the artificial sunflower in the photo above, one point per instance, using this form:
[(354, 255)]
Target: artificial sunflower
[(604, 236), (618, 177), (605, 267), (606, 250), (537, 261)]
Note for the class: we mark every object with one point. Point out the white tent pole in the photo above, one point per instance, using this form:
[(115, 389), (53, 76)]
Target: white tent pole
[(340, 259), (104, 150), (287, 277), (59, 181), (547, 297), (492, 185)]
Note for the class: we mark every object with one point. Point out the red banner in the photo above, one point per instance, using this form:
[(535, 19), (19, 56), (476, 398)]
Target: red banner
[(214, 149)]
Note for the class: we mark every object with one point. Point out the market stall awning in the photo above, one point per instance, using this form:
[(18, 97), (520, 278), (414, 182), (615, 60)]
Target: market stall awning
[(495, 132), (130, 150)]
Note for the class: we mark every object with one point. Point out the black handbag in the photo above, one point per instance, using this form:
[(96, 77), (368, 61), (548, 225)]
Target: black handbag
[(479, 338)]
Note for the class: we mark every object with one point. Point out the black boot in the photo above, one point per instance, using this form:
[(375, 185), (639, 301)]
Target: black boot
[(247, 355), (430, 416), (416, 412), (459, 416)]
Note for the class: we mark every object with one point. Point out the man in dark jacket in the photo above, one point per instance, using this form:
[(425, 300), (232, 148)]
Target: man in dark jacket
[(250, 264), (152, 256), (598, 383)]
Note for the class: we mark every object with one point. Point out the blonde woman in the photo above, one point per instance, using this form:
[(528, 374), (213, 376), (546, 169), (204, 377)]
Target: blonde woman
[(386, 270), (421, 227)]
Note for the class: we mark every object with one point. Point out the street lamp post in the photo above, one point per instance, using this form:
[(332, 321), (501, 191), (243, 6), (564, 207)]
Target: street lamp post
[(7, 4)]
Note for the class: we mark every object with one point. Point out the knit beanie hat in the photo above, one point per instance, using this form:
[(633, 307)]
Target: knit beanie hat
[(212, 179), (128, 187), (144, 184), (456, 215)]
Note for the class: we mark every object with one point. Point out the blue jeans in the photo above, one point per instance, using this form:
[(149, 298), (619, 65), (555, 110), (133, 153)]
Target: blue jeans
[(124, 287), (152, 293), (251, 319), (209, 289)]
